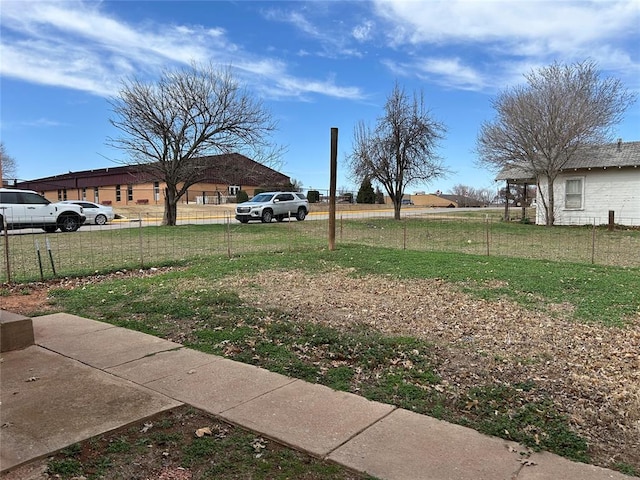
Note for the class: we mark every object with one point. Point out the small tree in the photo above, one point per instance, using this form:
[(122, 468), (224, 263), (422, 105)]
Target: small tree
[(366, 193), (168, 126), (313, 196), (542, 125), (8, 167), (242, 196), (400, 150)]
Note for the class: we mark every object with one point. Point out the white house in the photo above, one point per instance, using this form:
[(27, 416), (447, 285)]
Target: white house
[(596, 181)]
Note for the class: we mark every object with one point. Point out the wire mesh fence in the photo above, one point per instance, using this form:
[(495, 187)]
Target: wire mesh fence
[(142, 242)]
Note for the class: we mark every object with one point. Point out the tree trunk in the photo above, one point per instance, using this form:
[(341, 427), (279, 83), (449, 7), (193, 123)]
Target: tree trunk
[(170, 208), (397, 204), (550, 203), (507, 194)]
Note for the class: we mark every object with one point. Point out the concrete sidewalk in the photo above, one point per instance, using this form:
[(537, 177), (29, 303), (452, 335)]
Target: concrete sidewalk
[(83, 378)]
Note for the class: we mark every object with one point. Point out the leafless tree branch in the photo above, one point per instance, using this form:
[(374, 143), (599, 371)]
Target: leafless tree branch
[(8, 165), (543, 124), (186, 115), (400, 150)]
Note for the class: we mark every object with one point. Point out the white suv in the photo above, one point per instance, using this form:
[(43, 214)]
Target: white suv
[(269, 205), (28, 209)]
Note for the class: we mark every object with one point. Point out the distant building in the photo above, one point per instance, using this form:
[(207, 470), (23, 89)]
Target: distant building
[(224, 176)]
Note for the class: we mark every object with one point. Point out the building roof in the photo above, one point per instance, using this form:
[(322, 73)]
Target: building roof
[(227, 169), (516, 174), (620, 154)]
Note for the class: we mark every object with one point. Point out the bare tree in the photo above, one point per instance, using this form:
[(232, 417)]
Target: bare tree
[(461, 190), (8, 166), (170, 125), (400, 150), (542, 125), (296, 185), (477, 196)]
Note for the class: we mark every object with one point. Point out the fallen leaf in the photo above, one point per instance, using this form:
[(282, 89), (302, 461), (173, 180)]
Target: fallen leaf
[(146, 427), (201, 432)]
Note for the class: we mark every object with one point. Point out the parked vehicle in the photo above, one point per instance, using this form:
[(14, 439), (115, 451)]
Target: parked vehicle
[(269, 205), (28, 209), (406, 202), (96, 214)]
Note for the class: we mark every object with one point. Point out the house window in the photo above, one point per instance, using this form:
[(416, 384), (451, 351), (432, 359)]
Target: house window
[(62, 194), (156, 191), (118, 194), (234, 189), (130, 193), (96, 197), (573, 194), (84, 194)]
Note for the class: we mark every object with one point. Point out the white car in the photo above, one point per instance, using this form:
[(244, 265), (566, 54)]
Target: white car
[(269, 205), (96, 214), (29, 209)]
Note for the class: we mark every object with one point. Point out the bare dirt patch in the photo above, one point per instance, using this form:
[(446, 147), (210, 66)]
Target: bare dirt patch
[(592, 372)]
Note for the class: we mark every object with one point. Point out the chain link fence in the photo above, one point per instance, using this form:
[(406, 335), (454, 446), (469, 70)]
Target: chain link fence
[(143, 243)]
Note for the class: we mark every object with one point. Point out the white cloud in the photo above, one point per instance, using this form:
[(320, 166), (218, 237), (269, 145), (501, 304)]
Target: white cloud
[(451, 72), (505, 39), (557, 24), (363, 32), (44, 122), (447, 72), (77, 45), (333, 41)]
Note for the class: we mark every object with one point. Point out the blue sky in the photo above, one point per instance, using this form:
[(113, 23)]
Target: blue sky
[(315, 65)]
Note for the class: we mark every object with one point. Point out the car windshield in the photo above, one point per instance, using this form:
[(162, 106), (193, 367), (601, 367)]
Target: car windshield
[(262, 197)]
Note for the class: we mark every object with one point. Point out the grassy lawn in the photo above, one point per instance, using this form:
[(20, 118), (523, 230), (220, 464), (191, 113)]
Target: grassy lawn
[(192, 304), (90, 250)]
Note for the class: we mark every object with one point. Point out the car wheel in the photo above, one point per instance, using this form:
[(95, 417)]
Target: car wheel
[(50, 228), (69, 223), (301, 215), (267, 216), (101, 219)]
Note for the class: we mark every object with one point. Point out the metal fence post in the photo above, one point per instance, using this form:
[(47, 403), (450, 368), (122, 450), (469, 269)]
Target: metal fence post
[(6, 249), (228, 235), (593, 243), (404, 235), (39, 260), (53, 266), (486, 221), (140, 240)]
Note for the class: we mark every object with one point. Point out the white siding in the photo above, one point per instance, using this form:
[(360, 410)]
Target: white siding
[(616, 189)]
